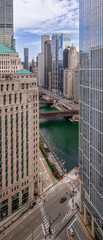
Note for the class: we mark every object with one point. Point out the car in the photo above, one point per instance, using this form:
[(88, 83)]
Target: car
[(74, 191), (63, 199), (71, 231)]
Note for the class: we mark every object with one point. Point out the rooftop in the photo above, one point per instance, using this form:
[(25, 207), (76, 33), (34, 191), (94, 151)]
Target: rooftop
[(4, 49), (23, 71)]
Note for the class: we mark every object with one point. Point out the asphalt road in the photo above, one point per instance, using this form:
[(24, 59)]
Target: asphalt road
[(79, 233), (35, 218), (48, 214)]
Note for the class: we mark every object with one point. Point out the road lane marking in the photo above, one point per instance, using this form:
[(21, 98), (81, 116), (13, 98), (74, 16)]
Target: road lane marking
[(33, 232), (68, 234), (72, 222), (43, 230), (37, 236), (77, 233)]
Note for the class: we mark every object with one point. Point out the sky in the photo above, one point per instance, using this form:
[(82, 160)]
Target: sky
[(33, 18)]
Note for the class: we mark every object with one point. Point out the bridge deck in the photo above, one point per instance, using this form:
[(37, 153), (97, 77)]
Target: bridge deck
[(57, 114)]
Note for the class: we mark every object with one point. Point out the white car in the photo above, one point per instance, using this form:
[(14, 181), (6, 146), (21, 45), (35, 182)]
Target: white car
[(71, 231)]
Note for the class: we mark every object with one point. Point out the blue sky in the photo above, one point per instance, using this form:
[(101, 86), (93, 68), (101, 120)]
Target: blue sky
[(32, 18)]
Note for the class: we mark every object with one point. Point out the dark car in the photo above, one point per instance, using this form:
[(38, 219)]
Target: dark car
[(63, 199)]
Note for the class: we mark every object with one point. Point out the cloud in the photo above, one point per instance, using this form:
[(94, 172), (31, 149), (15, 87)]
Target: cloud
[(46, 16)]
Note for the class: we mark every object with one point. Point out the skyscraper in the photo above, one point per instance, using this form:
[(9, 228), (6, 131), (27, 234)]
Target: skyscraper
[(91, 115), (64, 42), (6, 23), (69, 73), (41, 69), (55, 63), (43, 39), (47, 62), (26, 58), (19, 141)]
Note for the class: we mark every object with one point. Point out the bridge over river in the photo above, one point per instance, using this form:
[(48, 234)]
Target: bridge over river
[(57, 114)]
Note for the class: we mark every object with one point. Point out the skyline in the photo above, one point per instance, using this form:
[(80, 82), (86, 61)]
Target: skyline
[(29, 25)]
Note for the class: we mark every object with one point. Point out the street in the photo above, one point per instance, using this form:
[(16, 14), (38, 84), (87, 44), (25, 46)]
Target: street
[(49, 216)]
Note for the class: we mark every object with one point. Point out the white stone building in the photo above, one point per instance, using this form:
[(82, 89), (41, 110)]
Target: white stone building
[(9, 60), (69, 80), (19, 141)]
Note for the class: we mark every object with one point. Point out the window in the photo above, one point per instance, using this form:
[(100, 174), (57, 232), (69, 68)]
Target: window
[(12, 87), (22, 85), (7, 87), (2, 87), (10, 99), (26, 85), (4, 99)]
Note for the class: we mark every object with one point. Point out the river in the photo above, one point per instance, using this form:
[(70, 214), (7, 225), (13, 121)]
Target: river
[(62, 136)]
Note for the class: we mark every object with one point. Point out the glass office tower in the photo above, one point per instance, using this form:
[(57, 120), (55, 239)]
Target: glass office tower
[(55, 63), (64, 42), (26, 58), (91, 114), (6, 23), (47, 62)]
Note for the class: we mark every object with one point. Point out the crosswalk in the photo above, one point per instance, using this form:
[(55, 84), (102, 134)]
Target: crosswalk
[(67, 181), (51, 190), (45, 220), (62, 222)]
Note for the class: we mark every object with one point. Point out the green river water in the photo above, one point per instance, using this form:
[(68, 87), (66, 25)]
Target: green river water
[(62, 135)]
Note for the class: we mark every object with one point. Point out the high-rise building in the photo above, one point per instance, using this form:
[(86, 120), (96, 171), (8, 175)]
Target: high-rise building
[(19, 141), (47, 62), (55, 63), (91, 115), (64, 42), (69, 73), (6, 23), (41, 69), (26, 58), (43, 39), (65, 57), (9, 60)]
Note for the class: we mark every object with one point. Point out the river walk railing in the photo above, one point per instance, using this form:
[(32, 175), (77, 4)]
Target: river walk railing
[(45, 141)]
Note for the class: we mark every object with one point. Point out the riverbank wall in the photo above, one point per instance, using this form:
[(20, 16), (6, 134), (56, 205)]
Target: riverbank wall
[(52, 158)]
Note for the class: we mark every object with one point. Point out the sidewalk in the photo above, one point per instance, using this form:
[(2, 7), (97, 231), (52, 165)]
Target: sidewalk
[(85, 228)]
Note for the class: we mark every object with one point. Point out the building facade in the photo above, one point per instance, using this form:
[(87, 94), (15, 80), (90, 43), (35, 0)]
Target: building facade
[(26, 58), (64, 41), (19, 141), (9, 60), (6, 23), (41, 69), (68, 90), (47, 62), (65, 57), (70, 83), (55, 63), (43, 39), (91, 115), (76, 85)]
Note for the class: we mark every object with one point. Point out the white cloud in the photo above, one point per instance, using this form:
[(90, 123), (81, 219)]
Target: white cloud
[(46, 16)]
